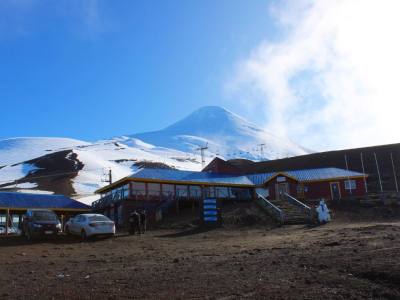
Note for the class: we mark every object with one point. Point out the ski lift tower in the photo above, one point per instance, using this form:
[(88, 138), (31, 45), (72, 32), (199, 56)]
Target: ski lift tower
[(202, 149)]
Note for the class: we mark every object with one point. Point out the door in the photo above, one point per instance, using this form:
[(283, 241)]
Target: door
[(335, 191), (74, 226), (300, 191), (281, 189)]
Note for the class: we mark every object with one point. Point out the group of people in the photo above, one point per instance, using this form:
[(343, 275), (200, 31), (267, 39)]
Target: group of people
[(137, 222)]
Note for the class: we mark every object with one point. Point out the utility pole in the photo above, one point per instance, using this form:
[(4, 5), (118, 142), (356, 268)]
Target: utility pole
[(107, 177), (262, 150), (379, 174), (365, 179), (348, 177), (202, 149), (394, 173)]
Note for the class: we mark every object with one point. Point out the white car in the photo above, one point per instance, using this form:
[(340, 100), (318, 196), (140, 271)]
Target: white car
[(87, 225)]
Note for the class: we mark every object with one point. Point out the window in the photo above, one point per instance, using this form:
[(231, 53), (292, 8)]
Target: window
[(350, 184), (168, 190), (138, 188), (154, 189), (98, 218), (222, 192), (195, 191), (241, 193), (125, 191), (181, 190), (210, 192)]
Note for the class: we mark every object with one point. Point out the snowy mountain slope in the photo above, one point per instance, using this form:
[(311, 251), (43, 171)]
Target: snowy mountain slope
[(20, 149), (81, 169), (226, 133), (123, 160)]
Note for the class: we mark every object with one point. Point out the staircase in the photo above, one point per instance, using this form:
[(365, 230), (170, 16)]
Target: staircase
[(287, 209)]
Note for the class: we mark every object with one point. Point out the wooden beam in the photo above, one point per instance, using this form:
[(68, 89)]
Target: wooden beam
[(7, 220)]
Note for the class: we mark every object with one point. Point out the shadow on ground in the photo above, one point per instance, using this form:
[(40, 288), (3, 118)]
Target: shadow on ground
[(189, 232)]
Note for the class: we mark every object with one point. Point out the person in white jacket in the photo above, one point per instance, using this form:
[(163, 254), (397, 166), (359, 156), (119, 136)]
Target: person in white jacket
[(323, 213)]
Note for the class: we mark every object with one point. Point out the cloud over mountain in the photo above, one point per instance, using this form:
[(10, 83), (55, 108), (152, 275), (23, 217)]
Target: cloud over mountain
[(331, 81)]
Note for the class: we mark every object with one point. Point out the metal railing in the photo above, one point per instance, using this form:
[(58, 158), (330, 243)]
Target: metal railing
[(296, 202), (303, 207), (107, 200), (272, 209)]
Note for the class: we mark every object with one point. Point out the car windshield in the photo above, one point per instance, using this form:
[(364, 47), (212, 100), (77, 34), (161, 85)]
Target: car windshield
[(98, 218), (44, 216)]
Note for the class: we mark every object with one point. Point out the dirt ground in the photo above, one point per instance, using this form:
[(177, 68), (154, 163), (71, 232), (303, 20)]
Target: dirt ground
[(349, 258)]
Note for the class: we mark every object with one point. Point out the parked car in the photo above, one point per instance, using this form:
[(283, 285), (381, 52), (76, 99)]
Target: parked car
[(87, 225), (40, 223)]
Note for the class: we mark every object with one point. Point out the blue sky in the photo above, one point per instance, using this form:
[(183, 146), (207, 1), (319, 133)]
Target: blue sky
[(97, 69), (316, 71)]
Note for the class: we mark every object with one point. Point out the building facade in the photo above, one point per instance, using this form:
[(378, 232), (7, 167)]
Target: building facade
[(330, 184), (162, 191)]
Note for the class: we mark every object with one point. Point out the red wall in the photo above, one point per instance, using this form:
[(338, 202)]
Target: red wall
[(320, 189)]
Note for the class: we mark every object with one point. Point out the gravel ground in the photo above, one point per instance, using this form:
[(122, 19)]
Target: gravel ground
[(340, 260)]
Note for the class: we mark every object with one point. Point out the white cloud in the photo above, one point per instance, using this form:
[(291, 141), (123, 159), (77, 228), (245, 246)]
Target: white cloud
[(332, 81)]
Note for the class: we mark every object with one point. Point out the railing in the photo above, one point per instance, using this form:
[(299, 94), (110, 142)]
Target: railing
[(272, 209), (303, 207), (296, 202), (107, 200)]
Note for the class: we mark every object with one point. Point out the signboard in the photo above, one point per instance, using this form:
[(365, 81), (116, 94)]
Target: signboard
[(210, 211), (280, 179)]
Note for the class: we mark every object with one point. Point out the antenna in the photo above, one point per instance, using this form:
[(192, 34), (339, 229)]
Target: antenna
[(202, 149)]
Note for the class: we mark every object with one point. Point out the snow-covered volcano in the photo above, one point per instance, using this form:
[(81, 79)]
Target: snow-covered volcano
[(225, 133)]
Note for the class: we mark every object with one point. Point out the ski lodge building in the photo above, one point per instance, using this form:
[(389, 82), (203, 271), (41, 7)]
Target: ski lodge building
[(160, 191)]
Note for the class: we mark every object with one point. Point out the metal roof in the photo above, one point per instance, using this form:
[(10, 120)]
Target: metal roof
[(45, 201), (307, 175), (191, 176)]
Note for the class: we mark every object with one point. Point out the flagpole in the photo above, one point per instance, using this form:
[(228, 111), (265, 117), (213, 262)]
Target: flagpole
[(365, 179)]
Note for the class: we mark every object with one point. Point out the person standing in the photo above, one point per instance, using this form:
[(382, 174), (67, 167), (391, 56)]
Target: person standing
[(143, 221), (134, 222)]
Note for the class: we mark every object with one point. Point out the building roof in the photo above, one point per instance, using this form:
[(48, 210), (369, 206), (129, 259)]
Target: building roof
[(307, 175), (14, 200), (183, 177), (217, 179), (218, 165)]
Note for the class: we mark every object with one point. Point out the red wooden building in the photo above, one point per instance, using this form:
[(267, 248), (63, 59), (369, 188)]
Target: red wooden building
[(312, 184)]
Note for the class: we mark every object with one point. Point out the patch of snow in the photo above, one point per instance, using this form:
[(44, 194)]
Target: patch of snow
[(28, 191), (11, 173), (27, 185), (20, 149), (88, 200)]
